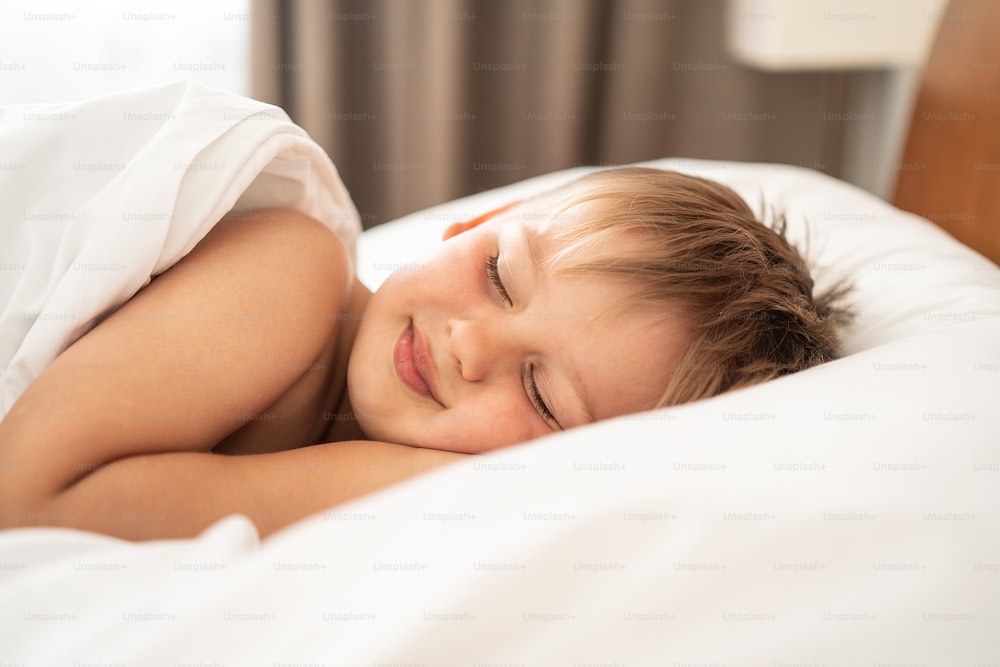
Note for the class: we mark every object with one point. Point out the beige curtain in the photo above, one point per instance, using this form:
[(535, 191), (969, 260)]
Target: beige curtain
[(422, 101)]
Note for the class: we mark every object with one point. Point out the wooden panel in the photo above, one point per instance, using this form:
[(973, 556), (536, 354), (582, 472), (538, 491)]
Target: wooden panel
[(950, 172)]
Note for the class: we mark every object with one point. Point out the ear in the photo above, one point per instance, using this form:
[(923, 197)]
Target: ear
[(459, 227)]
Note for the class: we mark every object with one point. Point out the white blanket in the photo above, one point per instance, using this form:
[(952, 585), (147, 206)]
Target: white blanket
[(100, 196), (846, 515)]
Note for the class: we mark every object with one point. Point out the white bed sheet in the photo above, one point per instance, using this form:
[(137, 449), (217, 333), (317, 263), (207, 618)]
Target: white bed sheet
[(99, 196), (847, 515)]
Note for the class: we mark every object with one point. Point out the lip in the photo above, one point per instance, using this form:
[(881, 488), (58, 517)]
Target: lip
[(413, 363)]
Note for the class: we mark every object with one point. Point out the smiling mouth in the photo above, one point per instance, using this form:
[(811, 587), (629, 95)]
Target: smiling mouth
[(407, 359)]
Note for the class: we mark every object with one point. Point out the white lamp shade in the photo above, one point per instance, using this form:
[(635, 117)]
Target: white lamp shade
[(831, 34)]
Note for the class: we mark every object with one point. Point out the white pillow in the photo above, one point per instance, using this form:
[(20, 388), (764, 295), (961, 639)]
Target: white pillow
[(843, 515), (911, 276)]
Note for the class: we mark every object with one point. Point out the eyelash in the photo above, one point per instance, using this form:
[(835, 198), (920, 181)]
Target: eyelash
[(494, 275), (536, 398)]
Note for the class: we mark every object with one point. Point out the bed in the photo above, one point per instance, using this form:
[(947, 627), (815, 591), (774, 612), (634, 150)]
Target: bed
[(846, 515)]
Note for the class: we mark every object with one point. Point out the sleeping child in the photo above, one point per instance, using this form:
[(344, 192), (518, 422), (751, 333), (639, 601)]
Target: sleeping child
[(259, 376)]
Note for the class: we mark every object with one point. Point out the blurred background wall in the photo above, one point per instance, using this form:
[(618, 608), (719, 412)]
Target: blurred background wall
[(422, 101)]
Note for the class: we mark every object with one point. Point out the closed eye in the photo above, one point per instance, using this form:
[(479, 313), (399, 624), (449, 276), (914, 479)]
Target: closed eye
[(494, 275), (528, 373)]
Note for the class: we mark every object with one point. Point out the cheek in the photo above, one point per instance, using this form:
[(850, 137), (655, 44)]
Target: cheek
[(488, 424), (513, 428), (394, 292), (445, 278), (459, 267)]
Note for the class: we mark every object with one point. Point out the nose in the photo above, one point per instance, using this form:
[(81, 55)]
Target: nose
[(481, 348)]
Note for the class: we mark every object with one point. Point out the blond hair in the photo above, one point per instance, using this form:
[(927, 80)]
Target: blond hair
[(744, 290)]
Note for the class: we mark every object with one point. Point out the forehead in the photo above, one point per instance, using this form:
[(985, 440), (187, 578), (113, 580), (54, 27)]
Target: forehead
[(557, 237), (619, 349), (622, 352), (552, 217)]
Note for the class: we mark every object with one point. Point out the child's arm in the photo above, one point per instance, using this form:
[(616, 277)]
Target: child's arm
[(181, 493), (218, 337)]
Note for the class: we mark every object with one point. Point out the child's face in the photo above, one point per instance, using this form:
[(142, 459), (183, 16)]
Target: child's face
[(442, 359)]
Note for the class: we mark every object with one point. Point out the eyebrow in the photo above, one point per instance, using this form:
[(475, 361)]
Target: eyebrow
[(530, 239), (580, 390)]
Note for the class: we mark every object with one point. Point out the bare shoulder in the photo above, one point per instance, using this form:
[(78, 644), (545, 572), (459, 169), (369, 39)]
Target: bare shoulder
[(272, 234), (222, 333)]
